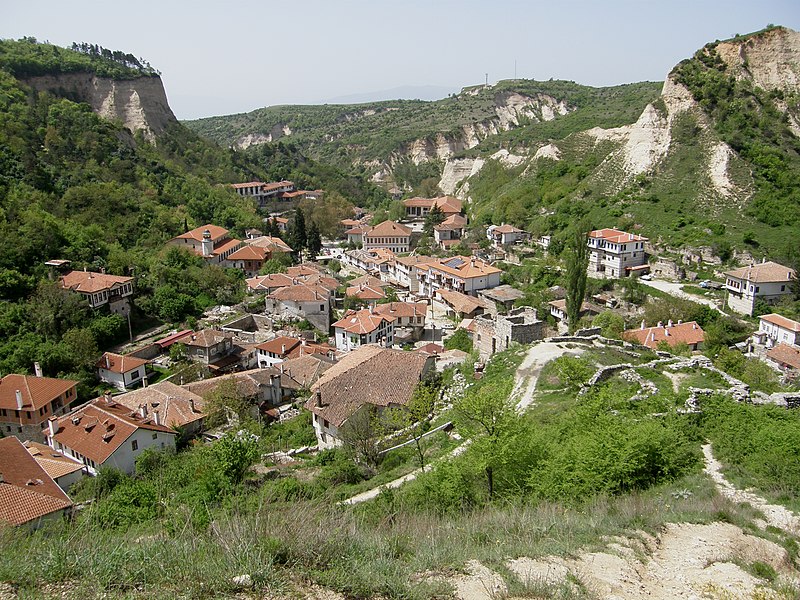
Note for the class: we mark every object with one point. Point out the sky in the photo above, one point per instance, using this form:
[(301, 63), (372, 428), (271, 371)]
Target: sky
[(229, 57)]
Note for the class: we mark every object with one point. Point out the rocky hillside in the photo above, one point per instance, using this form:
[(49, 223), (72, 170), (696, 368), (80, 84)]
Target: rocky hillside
[(710, 156)]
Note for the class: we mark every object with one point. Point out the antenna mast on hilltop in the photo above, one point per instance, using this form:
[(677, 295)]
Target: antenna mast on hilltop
[(515, 69), (487, 80)]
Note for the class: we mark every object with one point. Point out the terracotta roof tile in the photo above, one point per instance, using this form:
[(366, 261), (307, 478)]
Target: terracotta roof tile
[(203, 339), (402, 309), (52, 461), (196, 234), (765, 272), (461, 303), (690, 333), (301, 292), (176, 405), (615, 236), (281, 346), (249, 253), (365, 292), (785, 355), (27, 492), (361, 322), (120, 363), (269, 282), (362, 377), (388, 229), (36, 391), (89, 282), (781, 321)]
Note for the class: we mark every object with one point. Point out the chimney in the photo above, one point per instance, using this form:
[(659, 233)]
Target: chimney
[(371, 308), (653, 336), (680, 321), (281, 366), (642, 325), (191, 405), (660, 324), (669, 323), (666, 332), (283, 349), (52, 424), (37, 368), (143, 411), (156, 417), (108, 361), (19, 399), (318, 396), (144, 381), (694, 325)]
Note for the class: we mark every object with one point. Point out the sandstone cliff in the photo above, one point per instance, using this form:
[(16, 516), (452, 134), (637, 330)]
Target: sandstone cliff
[(139, 104)]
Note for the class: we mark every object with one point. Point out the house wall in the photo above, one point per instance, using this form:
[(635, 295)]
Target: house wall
[(742, 295), (32, 424), (327, 433), (317, 312), (67, 481), (778, 334), (124, 457), (346, 341), (611, 260)]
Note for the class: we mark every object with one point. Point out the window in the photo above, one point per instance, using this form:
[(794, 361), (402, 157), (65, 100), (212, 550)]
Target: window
[(134, 445), (321, 307), (155, 435), (783, 288)]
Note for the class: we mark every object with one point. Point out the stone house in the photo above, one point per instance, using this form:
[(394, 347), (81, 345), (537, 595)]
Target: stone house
[(767, 282), (495, 334)]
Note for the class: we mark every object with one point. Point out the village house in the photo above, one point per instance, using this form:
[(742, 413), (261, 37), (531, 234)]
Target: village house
[(62, 469), (502, 296), (26, 402), (308, 368), (495, 334), (409, 319), (261, 192), (370, 377), (208, 241), (463, 274), (388, 234), (462, 306), (614, 253), (404, 270), (122, 371), (207, 346), (368, 294), (249, 259), (505, 235), (28, 495), (301, 301), (104, 432), (449, 232), (361, 327), (689, 333), (558, 310), (776, 329), (355, 234), (418, 208), (283, 348), (281, 223), (176, 405), (786, 357), (269, 283), (767, 282), (100, 289), (304, 270)]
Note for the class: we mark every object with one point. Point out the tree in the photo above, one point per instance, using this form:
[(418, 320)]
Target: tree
[(313, 240), (488, 419), (415, 417), (298, 237), (434, 217), (360, 433), (460, 340), (236, 452), (610, 323), (577, 262)]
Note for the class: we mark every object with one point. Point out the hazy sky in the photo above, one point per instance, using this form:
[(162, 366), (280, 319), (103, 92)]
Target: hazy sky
[(235, 56)]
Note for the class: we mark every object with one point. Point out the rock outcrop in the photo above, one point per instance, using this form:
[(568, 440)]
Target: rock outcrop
[(140, 104)]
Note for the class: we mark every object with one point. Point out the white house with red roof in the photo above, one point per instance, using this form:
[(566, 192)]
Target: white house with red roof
[(28, 495), (776, 329), (614, 253), (464, 274), (26, 402), (767, 282), (359, 327), (263, 192), (504, 235), (301, 301), (449, 232), (689, 333), (101, 289), (417, 208), (213, 243), (104, 432), (122, 371), (391, 235), (65, 471)]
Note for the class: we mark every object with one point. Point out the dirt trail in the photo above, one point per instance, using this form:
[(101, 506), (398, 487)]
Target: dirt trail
[(684, 561), (777, 516), (528, 372)]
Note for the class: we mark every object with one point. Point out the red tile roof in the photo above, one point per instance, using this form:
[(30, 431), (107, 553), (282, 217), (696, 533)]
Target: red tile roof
[(507, 229), (89, 282), (461, 303), (784, 354), (203, 339), (270, 243), (27, 492), (120, 363), (281, 346), (269, 282), (361, 322), (781, 321), (300, 292), (766, 272), (388, 229), (615, 236), (369, 280), (196, 234), (689, 333), (304, 269), (176, 405), (97, 429), (249, 253), (464, 267), (173, 338), (402, 309), (36, 391), (368, 375), (52, 461), (365, 292), (248, 184)]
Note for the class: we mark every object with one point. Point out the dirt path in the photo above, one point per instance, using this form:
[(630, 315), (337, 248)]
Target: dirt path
[(777, 516), (528, 372)]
